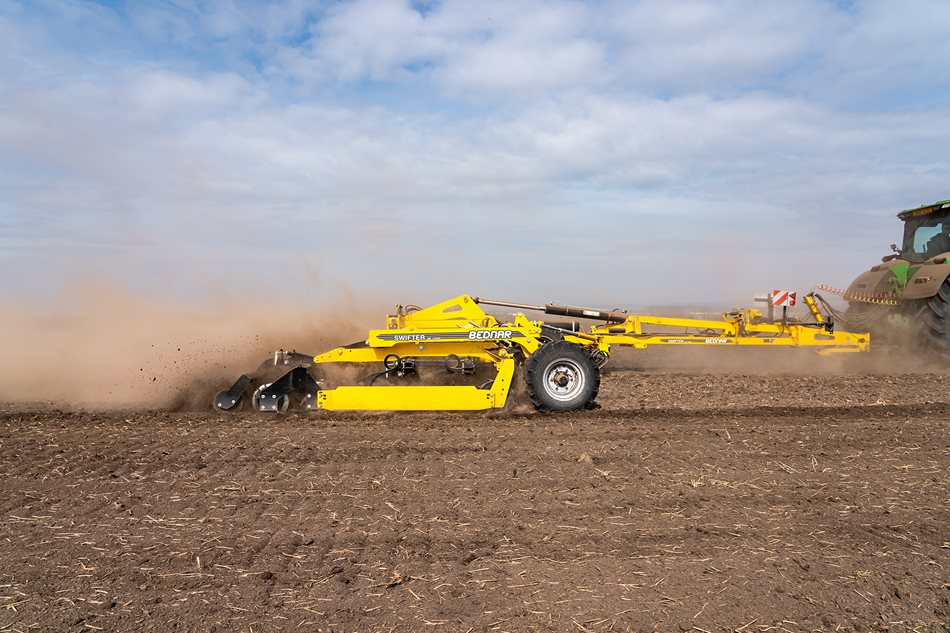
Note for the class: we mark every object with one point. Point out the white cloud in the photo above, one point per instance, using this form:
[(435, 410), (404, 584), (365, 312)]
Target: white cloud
[(373, 39), (526, 129), (159, 90), (889, 56), (470, 50), (715, 46)]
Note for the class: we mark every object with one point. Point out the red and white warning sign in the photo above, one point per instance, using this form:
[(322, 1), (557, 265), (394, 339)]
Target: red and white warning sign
[(783, 298)]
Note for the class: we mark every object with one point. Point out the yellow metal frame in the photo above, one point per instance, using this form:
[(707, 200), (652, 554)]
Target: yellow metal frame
[(741, 327), (460, 327), (422, 397), (457, 326)]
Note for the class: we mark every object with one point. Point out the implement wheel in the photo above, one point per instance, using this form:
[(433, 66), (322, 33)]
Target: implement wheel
[(283, 403), (561, 376)]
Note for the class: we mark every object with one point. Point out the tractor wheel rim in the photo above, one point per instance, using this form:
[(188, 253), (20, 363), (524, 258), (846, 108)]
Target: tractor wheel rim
[(563, 379)]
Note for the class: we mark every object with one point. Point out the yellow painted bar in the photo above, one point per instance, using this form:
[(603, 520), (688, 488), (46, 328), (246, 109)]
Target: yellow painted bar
[(421, 397), (838, 341), (377, 354), (741, 328), (706, 324), (813, 308), (405, 398)]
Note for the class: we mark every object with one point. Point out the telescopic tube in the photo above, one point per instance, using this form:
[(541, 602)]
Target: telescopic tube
[(575, 312)]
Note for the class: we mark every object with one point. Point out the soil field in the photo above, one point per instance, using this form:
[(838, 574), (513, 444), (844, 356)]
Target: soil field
[(688, 502)]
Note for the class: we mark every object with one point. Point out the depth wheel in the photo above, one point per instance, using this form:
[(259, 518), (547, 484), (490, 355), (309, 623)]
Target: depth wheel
[(561, 376), (283, 403), (222, 403)]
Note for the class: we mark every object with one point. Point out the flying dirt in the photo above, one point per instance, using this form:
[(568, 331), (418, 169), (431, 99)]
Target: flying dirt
[(118, 348)]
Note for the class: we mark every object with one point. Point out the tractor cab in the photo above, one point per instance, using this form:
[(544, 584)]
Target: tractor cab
[(926, 232), (916, 270)]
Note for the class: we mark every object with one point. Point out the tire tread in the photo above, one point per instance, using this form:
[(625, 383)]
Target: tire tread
[(536, 361), (935, 334)]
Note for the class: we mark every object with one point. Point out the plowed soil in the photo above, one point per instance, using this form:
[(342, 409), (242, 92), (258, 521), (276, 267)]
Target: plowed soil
[(688, 502)]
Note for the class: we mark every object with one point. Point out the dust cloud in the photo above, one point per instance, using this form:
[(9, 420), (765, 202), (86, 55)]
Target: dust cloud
[(106, 347)]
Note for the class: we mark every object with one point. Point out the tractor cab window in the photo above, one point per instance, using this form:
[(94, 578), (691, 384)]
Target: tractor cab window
[(926, 237)]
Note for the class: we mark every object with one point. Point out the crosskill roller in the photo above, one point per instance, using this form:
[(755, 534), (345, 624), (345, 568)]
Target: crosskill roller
[(473, 356)]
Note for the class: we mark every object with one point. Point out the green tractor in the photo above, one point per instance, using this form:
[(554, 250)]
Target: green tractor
[(905, 300)]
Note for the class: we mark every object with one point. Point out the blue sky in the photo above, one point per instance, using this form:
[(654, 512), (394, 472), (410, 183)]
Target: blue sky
[(620, 152)]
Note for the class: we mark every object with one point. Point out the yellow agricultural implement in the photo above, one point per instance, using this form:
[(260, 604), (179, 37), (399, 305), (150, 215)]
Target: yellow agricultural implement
[(457, 341)]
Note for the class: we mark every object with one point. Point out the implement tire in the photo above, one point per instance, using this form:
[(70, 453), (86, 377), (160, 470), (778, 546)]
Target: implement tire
[(561, 376)]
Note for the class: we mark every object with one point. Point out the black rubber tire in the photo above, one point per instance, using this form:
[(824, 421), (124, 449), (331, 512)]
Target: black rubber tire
[(568, 363), (935, 323)]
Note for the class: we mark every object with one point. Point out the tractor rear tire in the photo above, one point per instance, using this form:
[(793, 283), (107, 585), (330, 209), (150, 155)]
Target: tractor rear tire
[(561, 376), (935, 323)]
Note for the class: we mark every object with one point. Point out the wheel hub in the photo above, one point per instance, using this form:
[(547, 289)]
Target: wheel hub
[(563, 379)]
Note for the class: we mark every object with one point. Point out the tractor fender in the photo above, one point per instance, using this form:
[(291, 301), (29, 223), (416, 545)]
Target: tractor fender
[(926, 280), (877, 281)]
